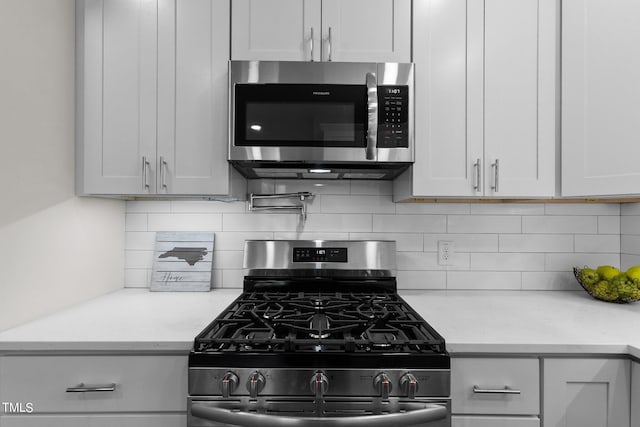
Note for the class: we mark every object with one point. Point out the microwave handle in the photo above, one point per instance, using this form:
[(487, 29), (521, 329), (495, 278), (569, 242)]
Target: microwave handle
[(372, 113)]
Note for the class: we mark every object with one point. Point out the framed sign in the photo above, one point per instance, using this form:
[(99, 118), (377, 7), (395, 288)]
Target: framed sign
[(182, 261)]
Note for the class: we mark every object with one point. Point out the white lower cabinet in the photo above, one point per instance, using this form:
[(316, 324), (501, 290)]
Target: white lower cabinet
[(490, 421), (137, 390), (587, 393), (635, 394), (495, 392)]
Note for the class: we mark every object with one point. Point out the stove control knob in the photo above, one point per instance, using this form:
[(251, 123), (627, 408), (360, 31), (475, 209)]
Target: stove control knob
[(319, 384), (409, 385), (382, 384), (255, 384), (228, 384)]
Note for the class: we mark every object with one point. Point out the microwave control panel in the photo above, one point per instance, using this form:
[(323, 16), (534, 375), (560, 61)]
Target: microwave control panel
[(393, 116)]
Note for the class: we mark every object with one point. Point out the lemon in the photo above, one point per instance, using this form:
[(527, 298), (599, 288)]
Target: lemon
[(634, 272), (607, 272)]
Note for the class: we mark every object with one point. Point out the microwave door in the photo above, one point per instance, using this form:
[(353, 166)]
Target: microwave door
[(371, 151)]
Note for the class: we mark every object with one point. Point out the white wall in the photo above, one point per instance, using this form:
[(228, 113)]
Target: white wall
[(517, 246), (55, 249)]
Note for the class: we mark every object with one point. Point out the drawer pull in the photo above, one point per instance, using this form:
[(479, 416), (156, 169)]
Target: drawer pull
[(82, 388), (505, 390)]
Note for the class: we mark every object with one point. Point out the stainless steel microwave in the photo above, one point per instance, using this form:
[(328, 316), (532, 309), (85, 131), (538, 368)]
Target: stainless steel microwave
[(331, 120)]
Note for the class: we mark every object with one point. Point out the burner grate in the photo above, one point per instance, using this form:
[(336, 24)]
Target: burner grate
[(353, 322)]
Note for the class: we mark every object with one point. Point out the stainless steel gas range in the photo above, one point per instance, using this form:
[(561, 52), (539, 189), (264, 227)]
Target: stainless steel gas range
[(319, 336)]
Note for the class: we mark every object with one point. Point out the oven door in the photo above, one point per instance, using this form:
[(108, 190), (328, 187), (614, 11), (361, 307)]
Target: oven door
[(346, 412)]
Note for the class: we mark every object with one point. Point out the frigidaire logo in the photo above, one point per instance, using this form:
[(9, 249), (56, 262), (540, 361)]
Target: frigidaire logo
[(322, 93), (17, 407)]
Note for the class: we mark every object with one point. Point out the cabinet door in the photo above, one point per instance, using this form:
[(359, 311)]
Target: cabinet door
[(586, 393), (448, 102), (489, 421), (192, 97), (276, 30), (366, 30), (116, 96), (519, 97), (635, 394), (129, 420), (600, 92)]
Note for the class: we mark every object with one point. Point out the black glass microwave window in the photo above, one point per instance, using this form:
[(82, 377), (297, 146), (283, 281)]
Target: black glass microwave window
[(300, 115)]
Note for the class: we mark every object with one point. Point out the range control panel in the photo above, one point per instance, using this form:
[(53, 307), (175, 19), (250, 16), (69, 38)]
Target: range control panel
[(393, 116), (319, 254)]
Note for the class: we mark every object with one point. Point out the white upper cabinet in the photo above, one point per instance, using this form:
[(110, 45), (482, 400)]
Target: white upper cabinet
[(600, 92), (485, 99), (321, 30), (116, 98), (152, 97), (193, 59)]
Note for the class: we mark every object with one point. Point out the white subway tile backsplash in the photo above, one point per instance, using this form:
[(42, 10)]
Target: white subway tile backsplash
[(410, 223), (429, 261), (483, 224), (135, 222), (234, 241), (338, 222), (406, 242), (566, 262), (138, 259), (497, 245), (630, 209), (212, 207), (136, 278), (476, 280), (422, 280), (582, 209), (312, 186), (185, 222), (432, 208), (337, 204), (228, 259), (148, 206), (630, 244), (382, 188), (536, 243), (142, 240), (507, 261), (609, 224), (309, 235), (560, 224), (507, 209), (259, 222), (549, 281), (463, 242), (630, 224), (606, 243)]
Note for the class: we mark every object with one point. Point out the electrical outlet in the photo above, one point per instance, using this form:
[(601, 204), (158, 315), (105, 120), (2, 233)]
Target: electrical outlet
[(446, 252)]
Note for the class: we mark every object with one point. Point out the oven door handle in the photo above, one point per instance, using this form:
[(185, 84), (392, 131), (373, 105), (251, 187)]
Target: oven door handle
[(433, 412), (372, 116)]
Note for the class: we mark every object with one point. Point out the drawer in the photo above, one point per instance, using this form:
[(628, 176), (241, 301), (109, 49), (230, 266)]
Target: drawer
[(494, 374), (486, 421), (133, 420), (142, 383)]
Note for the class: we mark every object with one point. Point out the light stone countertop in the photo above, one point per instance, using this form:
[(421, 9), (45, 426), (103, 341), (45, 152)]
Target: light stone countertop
[(472, 322)]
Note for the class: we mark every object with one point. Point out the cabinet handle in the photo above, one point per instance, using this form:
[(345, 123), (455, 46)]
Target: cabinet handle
[(476, 168), (145, 171), (163, 166), (311, 44), (505, 390), (329, 44), (83, 388), (496, 175)]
